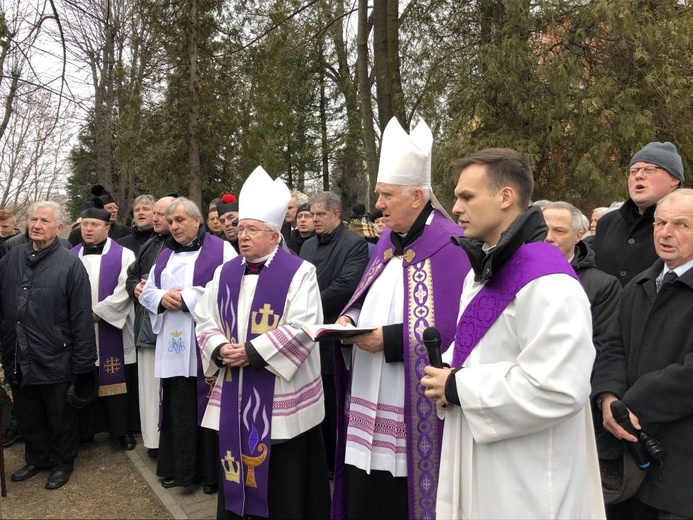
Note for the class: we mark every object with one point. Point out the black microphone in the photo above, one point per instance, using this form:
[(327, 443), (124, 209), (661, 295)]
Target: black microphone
[(622, 417), (431, 339)]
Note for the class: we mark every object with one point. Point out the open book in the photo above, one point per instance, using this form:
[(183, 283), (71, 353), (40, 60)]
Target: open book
[(322, 332)]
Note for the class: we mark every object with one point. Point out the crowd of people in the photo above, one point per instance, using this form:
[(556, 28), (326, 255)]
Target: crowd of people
[(195, 334)]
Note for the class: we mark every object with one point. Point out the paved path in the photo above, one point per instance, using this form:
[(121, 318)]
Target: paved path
[(181, 503)]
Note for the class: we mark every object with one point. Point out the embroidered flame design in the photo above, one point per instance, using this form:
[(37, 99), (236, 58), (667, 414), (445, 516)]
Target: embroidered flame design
[(253, 408)]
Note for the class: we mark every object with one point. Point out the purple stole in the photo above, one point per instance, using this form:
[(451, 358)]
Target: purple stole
[(434, 270), (111, 355), (211, 256), (245, 424), (530, 261)]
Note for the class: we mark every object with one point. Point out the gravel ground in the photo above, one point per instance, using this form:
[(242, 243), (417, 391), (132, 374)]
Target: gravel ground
[(104, 484)]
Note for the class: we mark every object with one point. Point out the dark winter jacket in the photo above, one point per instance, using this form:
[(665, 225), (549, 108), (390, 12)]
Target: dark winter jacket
[(651, 371), (296, 241), (136, 238), (624, 244), (117, 231), (140, 268), (340, 258), (46, 318), (604, 294)]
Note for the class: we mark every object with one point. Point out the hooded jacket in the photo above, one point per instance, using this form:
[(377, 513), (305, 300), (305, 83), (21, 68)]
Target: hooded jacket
[(603, 292)]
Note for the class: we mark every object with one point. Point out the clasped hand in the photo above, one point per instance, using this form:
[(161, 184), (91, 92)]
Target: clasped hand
[(234, 355), (172, 300)]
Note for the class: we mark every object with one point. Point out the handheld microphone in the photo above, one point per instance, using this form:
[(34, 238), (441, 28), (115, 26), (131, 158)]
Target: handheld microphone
[(431, 339), (622, 417)]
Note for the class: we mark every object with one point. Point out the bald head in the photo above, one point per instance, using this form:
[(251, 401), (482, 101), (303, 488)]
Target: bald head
[(158, 216)]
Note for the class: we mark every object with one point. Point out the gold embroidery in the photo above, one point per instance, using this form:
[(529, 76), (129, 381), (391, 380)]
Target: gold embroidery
[(264, 325), (420, 294), (232, 469), (388, 253), (409, 255), (251, 462)]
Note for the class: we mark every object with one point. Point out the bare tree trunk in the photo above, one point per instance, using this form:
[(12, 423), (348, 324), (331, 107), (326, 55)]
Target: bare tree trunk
[(388, 80), (393, 63), (324, 147), (103, 105), (365, 96), (195, 184), (383, 90), (353, 182)]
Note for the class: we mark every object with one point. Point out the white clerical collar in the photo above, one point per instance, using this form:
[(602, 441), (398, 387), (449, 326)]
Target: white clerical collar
[(267, 258), (680, 270)]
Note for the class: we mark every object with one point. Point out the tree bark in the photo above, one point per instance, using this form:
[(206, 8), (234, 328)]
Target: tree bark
[(364, 85), (195, 183)]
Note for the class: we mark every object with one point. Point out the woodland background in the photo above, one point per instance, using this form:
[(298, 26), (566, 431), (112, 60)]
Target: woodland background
[(151, 96)]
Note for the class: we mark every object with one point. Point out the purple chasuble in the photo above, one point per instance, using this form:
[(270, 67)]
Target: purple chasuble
[(245, 424), (210, 257), (433, 269), (530, 261), (111, 355)]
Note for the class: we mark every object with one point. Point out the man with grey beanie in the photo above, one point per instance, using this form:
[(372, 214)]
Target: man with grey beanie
[(624, 244)]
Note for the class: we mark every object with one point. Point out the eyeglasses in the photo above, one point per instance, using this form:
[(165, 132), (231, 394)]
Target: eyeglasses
[(646, 170), (252, 231)]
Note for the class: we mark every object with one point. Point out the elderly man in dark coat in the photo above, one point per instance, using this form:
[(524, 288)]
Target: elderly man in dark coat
[(651, 372), (564, 230), (47, 342)]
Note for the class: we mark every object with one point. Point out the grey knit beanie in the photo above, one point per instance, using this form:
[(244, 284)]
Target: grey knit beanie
[(663, 155)]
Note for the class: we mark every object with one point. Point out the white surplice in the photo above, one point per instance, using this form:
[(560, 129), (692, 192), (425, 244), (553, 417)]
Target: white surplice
[(175, 330), (376, 430), (522, 443), (117, 308), (291, 356)]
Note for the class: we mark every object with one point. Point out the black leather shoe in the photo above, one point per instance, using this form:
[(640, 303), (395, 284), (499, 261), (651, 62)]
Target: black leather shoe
[(128, 442), (57, 478), (24, 473), (152, 453), (208, 489), (168, 483)]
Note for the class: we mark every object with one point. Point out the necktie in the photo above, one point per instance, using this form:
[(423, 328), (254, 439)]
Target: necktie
[(669, 277)]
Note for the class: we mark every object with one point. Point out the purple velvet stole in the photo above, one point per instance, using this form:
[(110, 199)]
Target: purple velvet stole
[(245, 424), (111, 355), (433, 270), (530, 261), (210, 257)]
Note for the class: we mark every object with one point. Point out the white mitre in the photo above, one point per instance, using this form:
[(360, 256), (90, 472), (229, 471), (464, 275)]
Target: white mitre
[(262, 198), (405, 159)]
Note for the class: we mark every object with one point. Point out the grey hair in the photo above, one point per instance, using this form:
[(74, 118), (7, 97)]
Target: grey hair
[(427, 191), (681, 193), (189, 206), (541, 203), (57, 209), (328, 200), (144, 199), (301, 198), (576, 216)]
